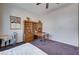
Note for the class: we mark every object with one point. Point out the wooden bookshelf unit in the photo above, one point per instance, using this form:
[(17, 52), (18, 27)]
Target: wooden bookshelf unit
[(30, 30)]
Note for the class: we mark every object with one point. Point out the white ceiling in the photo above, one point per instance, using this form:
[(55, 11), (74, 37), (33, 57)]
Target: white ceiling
[(40, 9)]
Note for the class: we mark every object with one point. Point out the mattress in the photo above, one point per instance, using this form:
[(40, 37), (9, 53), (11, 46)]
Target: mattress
[(24, 49)]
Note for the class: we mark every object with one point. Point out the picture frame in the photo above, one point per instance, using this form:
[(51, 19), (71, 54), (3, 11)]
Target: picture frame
[(15, 23)]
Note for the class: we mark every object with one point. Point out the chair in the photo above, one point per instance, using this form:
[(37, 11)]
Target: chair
[(47, 36), (14, 37), (43, 36)]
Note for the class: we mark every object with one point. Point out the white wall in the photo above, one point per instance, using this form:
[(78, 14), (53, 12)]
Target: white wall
[(0, 19), (10, 10), (62, 24)]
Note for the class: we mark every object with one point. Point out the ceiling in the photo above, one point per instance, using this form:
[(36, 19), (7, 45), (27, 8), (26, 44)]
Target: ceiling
[(40, 9)]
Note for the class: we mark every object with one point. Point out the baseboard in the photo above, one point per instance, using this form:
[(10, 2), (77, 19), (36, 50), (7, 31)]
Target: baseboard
[(64, 43)]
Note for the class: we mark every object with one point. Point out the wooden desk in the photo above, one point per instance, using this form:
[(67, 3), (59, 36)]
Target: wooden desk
[(40, 34)]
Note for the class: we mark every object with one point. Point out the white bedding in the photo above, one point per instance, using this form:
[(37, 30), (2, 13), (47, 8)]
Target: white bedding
[(25, 49)]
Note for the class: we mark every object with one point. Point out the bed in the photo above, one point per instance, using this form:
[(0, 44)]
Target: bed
[(24, 49)]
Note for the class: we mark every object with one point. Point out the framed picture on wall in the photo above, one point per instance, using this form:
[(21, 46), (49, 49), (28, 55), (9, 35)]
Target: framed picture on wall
[(15, 22)]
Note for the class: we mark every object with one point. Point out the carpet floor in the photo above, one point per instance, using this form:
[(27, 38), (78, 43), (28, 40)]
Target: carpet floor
[(51, 47), (56, 48)]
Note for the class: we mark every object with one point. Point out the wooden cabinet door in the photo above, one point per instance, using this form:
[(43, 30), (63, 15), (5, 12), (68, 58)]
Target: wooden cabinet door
[(28, 31), (28, 37)]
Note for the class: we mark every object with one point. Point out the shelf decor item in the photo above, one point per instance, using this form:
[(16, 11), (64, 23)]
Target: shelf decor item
[(15, 23), (28, 18)]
